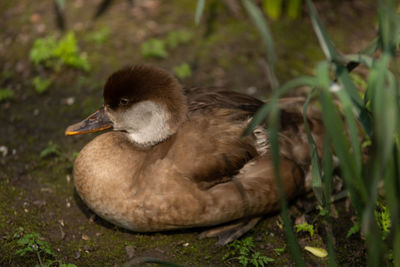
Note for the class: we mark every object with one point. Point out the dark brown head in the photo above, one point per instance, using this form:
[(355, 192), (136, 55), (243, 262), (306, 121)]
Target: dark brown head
[(146, 102), (133, 84)]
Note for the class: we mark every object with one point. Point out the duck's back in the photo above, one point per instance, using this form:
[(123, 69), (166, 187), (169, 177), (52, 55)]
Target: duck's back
[(213, 131)]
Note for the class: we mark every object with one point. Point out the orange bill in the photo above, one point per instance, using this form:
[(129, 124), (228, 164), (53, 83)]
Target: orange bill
[(96, 122)]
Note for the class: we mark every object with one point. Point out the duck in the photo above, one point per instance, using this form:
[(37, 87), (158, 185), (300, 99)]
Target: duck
[(176, 156)]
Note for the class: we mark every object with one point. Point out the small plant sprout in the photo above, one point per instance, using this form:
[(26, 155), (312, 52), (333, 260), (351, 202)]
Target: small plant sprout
[(154, 48), (32, 243), (305, 227), (75, 155), (54, 54), (279, 251), (243, 251), (41, 85), (383, 218), (354, 229), (6, 94), (176, 38), (51, 150), (99, 37), (183, 71)]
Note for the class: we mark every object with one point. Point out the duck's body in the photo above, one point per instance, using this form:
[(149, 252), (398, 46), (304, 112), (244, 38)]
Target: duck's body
[(201, 172)]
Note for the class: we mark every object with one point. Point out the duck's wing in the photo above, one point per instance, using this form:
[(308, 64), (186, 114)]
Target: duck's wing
[(200, 98), (225, 114), (243, 106), (217, 119)]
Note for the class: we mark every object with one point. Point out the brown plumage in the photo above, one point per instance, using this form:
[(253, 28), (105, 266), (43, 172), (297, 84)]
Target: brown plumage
[(178, 159)]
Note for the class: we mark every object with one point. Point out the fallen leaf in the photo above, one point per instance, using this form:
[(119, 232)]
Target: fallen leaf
[(319, 252)]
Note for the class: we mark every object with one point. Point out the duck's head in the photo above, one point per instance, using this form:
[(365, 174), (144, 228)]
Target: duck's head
[(145, 102)]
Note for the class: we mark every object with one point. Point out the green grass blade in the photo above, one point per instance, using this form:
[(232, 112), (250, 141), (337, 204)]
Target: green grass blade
[(348, 109), (396, 247), (199, 11), (315, 164), (257, 119), (326, 43), (273, 123), (262, 112), (294, 8), (335, 130), (362, 114), (262, 26), (272, 8), (327, 180), (392, 188), (388, 21), (359, 59), (384, 107), (371, 47), (363, 56), (368, 221), (327, 172)]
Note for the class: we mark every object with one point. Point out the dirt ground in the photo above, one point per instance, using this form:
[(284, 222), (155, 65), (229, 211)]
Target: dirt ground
[(37, 193)]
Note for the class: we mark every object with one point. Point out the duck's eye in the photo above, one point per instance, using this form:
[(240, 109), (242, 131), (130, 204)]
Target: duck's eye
[(123, 101)]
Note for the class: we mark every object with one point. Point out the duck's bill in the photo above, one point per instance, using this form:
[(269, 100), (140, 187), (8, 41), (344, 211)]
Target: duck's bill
[(96, 122)]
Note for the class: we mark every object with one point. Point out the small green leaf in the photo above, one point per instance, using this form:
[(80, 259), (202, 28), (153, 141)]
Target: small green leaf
[(279, 251), (305, 227), (50, 150), (42, 50), (262, 26), (41, 85), (183, 71), (272, 8), (176, 38), (315, 162), (6, 94), (154, 48), (326, 43), (100, 36), (294, 8)]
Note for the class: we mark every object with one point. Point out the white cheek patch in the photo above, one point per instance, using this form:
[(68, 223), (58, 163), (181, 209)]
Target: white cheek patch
[(146, 123)]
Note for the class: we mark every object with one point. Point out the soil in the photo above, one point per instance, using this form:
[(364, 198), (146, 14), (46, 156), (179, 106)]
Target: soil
[(37, 193)]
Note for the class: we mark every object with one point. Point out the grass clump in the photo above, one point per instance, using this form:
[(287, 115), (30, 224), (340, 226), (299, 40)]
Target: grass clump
[(33, 243), (244, 252), (54, 54)]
